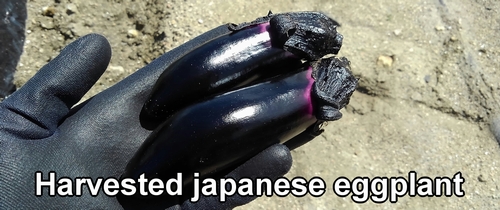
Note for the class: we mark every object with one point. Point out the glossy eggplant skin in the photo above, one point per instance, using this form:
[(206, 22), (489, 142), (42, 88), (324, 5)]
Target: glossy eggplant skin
[(221, 64), (217, 135), (226, 130)]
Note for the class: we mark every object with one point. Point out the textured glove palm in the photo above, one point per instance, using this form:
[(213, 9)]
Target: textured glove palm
[(40, 130)]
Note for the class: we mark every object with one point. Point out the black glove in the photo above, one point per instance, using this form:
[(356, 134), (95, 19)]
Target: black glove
[(13, 15), (40, 130)]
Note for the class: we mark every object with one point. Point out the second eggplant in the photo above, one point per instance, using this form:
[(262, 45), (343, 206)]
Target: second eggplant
[(251, 51), (220, 133)]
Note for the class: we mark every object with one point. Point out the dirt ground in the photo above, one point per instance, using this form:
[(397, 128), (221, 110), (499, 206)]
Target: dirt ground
[(427, 100)]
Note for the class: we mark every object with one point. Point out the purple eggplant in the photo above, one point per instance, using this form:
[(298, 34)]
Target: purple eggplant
[(222, 132), (250, 52)]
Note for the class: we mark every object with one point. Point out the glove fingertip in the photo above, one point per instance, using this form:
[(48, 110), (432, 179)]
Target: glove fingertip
[(41, 103), (97, 42), (279, 158)]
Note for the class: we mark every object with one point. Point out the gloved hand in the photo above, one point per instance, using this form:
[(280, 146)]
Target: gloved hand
[(40, 130)]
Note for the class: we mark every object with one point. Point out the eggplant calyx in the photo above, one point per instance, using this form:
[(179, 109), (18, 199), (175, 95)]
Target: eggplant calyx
[(332, 88), (311, 35)]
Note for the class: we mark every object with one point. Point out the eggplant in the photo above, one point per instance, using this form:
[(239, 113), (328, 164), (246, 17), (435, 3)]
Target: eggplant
[(224, 131), (252, 51)]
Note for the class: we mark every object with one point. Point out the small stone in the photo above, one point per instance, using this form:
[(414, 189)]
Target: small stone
[(117, 68), (453, 38), (78, 29), (427, 78), (482, 48), (46, 23), (397, 32), (132, 33), (481, 178), (200, 21), (71, 9), (49, 11), (385, 61), (439, 28), (416, 96)]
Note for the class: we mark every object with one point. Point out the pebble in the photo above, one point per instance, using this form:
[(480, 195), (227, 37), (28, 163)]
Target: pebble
[(453, 38), (481, 178), (117, 68), (397, 32), (71, 9), (482, 48), (132, 33), (78, 29), (440, 28), (385, 61), (427, 78), (46, 23), (49, 11)]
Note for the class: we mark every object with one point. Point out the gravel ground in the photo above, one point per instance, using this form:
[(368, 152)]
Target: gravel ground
[(427, 100)]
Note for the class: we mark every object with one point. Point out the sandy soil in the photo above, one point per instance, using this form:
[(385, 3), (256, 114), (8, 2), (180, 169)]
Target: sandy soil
[(429, 87)]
